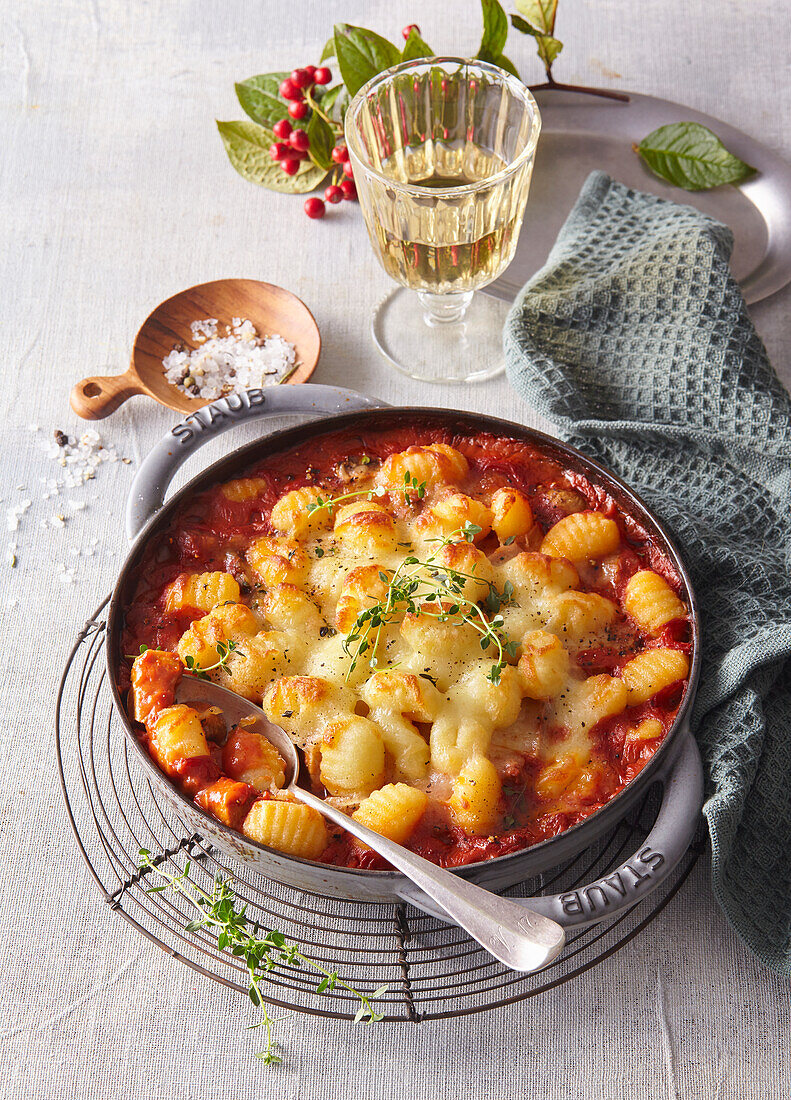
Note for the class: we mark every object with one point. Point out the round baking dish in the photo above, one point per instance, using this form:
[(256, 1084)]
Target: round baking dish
[(676, 763)]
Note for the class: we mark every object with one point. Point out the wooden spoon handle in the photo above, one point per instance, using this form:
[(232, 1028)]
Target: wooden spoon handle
[(97, 397)]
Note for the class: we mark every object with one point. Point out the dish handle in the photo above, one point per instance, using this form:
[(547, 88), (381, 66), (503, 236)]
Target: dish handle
[(655, 859), (156, 472)]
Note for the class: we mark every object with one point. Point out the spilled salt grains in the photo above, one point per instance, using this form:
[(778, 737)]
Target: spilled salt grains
[(15, 513), (79, 458), (63, 573), (240, 360)]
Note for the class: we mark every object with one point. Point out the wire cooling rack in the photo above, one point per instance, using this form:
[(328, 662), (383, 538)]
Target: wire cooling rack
[(433, 970)]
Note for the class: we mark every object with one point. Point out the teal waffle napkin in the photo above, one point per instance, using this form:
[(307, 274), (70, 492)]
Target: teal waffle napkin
[(635, 342)]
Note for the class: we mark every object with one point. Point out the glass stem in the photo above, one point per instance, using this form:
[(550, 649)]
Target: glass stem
[(444, 309)]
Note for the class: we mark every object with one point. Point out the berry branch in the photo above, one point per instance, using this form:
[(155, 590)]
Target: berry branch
[(299, 91), (314, 154)]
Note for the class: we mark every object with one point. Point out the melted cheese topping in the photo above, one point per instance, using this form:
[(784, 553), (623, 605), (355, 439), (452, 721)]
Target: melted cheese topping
[(421, 709)]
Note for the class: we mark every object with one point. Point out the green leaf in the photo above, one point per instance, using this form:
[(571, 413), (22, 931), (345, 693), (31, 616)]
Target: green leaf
[(328, 51), (322, 141), (520, 24), (362, 54), (260, 98), (504, 63), (539, 22), (540, 14), (495, 31), (247, 146), (691, 156), (548, 49), (415, 47), (332, 98)]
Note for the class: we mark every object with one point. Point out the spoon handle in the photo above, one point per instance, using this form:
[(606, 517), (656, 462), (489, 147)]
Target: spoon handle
[(518, 937), (96, 397)]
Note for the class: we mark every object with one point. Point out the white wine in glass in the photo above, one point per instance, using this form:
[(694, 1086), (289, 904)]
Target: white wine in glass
[(442, 150)]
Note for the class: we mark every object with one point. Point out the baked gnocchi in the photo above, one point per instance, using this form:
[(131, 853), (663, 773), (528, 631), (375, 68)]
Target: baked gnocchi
[(472, 647)]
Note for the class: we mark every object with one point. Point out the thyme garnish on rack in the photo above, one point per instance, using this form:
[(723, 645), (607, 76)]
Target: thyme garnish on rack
[(224, 651), (260, 949)]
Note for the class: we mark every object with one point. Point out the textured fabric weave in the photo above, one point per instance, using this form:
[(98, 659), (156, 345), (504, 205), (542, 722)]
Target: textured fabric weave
[(634, 340)]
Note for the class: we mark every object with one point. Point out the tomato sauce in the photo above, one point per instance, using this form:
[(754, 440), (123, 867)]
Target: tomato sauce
[(210, 532)]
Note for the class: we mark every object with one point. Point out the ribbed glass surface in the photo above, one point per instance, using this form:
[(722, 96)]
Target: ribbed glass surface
[(443, 153)]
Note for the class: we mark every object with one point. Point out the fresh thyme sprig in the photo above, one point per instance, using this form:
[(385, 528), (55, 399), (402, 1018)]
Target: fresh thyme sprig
[(143, 649), (417, 583), (516, 797), (327, 504), (260, 949), (224, 651), (411, 484)]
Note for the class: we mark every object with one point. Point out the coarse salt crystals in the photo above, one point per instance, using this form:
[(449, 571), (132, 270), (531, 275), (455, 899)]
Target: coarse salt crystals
[(15, 513), (79, 459), (240, 360)]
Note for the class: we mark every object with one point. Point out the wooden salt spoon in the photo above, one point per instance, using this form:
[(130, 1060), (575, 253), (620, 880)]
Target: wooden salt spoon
[(517, 936), (270, 308)]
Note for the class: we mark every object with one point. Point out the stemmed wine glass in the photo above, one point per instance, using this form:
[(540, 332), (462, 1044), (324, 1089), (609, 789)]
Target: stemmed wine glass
[(442, 150)]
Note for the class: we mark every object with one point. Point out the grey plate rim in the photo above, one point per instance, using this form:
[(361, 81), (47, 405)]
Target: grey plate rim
[(769, 191)]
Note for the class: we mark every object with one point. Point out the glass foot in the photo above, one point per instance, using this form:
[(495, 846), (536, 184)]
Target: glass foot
[(441, 338)]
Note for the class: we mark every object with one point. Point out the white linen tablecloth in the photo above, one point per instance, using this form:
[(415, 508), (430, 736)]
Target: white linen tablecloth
[(116, 193)]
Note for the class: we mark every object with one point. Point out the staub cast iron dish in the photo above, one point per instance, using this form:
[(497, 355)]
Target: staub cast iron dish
[(676, 763)]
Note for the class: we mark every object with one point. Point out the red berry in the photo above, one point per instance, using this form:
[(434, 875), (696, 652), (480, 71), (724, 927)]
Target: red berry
[(278, 150), (282, 129), (311, 71), (290, 90), (300, 78), (339, 154), (322, 75), (333, 194), (315, 208), (298, 109), (347, 169), (412, 27), (290, 165), (298, 139), (349, 190)]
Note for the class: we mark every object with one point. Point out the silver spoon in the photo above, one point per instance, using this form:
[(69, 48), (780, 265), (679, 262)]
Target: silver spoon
[(518, 937)]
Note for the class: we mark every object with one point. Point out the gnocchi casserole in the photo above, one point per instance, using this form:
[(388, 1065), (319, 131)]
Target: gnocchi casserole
[(473, 646)]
